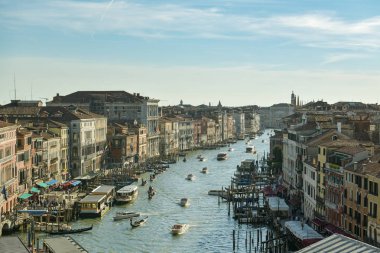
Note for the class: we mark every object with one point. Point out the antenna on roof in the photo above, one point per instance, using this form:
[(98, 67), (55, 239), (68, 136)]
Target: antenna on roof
[(14, 83)]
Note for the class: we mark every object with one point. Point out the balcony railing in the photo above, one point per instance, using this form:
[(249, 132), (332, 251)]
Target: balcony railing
[(320, 199)]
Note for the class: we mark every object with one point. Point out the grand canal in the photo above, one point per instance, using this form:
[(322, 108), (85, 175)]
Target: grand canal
[(210, 226)]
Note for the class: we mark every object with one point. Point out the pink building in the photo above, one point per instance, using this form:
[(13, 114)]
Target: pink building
[(8, 171)]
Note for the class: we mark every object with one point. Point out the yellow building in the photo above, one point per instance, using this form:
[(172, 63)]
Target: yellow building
[(373, 172), (355, 201)]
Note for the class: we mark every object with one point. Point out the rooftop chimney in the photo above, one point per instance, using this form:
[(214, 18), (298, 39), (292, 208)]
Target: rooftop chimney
[(339, 127)]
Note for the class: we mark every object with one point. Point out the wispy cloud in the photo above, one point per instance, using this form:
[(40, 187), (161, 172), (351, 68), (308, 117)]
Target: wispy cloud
[(128, 18), (343, 57)]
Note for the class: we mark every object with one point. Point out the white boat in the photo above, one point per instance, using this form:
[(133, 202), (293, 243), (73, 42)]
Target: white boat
[(190, 177), (250, 149), (179, 229), (184, 202), (127, 194), (125, 215), (221, 156), (199, 156), (230, 149), (204, 170), (202, 159)]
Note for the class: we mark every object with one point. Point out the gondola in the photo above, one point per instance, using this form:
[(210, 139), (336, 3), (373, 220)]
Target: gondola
[(138, 223), (70, 231)]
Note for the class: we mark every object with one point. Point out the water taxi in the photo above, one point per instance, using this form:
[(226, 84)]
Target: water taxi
[(202, 159), (184, 202), (250, 149), (204, 170), (127, 194), (230, 149), (179, 229), (221, 156)]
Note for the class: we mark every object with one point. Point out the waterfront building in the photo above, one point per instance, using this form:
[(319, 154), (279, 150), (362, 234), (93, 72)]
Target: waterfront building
[(252, 121), (169, 136), (122, 144), (373, 228), (355, 200), (119, 106), (185, 133), (239, 119), (8, 172), (337, 161), (208, 129), (24, 159), (197, 132)]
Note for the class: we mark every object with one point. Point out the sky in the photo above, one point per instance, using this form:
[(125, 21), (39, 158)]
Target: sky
[(241, 52)]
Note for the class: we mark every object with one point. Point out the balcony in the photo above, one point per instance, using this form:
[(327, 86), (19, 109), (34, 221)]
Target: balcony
[(320, 199)]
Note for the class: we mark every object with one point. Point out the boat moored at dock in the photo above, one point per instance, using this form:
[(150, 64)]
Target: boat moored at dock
[(127, 194)]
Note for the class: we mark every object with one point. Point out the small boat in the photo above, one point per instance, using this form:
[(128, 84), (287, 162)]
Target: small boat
[(202, 159), (143, 182), (70, 231), (221, 156), (138, 223), (179, 229), (199, 156), (231, 149), (204, 170), (151, 192), (250, 149), (125, 215), (190, 177), (184, 202), (184, 159)]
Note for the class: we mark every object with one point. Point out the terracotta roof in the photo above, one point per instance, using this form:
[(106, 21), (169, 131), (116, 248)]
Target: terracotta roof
[(5, 124), (372, 169), (351, 150), (19, 110), (104, 96), (326, 137)]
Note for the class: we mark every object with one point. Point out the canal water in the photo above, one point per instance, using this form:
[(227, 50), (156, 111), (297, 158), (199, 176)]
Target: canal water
[(210, 226)]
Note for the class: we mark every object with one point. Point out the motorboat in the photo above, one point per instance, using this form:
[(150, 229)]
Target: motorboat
[(184, 202), (125, 215), (127, 194), (179, 229), (221, 156), (250, 149), (202, 159), (138, 223), (199, 156), (230, 149), (190, 177), (204, 170)]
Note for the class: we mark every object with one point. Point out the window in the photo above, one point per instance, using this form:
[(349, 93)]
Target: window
[(365, 201), (374, 210), (365, 183)]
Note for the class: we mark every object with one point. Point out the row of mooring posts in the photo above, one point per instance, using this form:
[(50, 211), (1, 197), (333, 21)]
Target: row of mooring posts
[(255, 242)]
